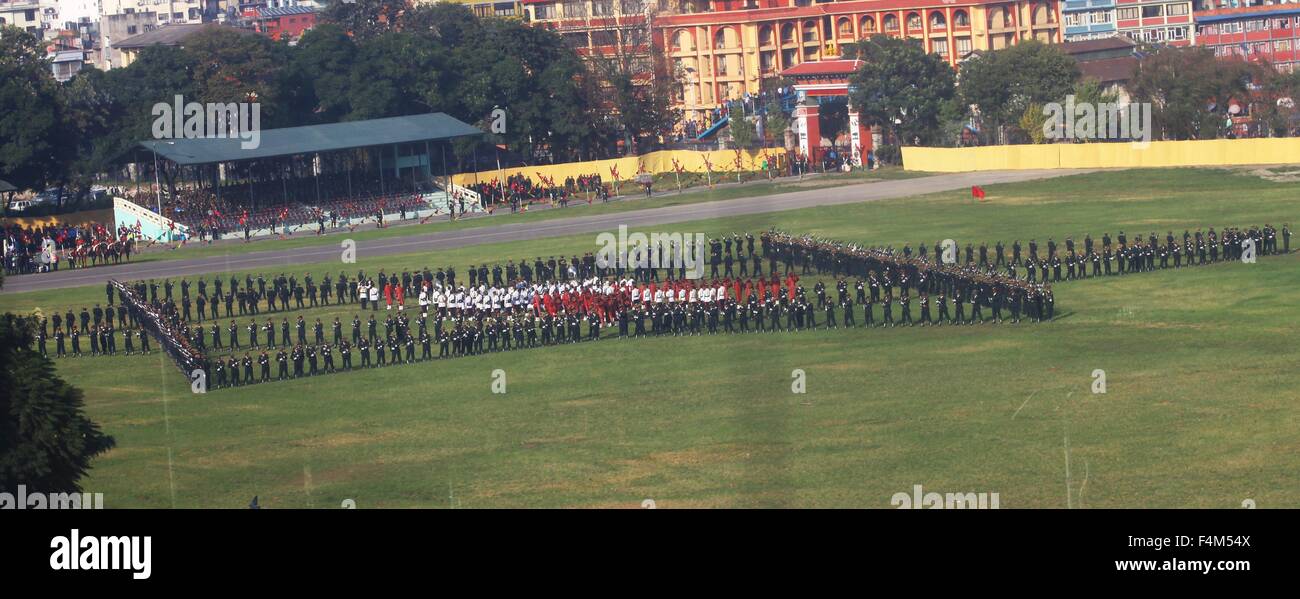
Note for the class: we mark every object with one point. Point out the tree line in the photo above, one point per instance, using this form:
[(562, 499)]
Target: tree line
[(917, 99), (367, 59)]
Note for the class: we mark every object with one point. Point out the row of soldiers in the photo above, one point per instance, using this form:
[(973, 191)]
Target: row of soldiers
[(1136, 255), (458, 336), (277, 292), (102, 339)]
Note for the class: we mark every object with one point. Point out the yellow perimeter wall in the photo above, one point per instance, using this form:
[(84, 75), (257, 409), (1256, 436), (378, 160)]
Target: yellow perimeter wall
[(724, 161), (103, 217), (1214, 152)]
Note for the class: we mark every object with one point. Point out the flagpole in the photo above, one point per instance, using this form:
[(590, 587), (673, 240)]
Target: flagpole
[(157, 182)]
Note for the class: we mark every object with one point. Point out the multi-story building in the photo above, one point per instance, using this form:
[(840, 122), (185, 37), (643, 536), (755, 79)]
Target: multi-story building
[(726, 55), (72, 14), (284, 22), (1110, 61), (488, 8), (1263, 32), (174, 35), (724, 49), (23, 14), (169, 12), (1088, 19), (1156, 21), (117, 28)]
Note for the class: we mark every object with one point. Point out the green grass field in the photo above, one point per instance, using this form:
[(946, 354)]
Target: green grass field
[(1200, 409)]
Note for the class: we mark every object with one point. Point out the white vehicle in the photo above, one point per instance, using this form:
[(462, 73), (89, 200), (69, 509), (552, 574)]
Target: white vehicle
[(20, 205)]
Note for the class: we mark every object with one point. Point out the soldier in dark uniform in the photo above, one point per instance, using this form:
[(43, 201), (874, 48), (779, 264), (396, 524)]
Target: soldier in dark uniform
[(311, 360), (220, 371), (252, 334), (298, 354), (264, 361), (233, 332)]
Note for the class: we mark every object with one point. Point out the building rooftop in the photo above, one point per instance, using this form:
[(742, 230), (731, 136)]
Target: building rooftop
[(1109, 70), (823, 67), (315, 138), (69, 56), (1254, 12), (171, 35), (1117, 42), (275, 13)]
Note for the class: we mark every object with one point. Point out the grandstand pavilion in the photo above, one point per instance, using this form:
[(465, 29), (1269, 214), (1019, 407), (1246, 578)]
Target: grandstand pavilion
[(297, 174)]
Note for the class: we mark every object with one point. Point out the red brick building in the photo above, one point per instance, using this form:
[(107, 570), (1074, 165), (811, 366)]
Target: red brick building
[(289, 22)]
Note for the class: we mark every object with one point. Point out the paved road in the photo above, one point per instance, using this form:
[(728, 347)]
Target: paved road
[(865, 192)]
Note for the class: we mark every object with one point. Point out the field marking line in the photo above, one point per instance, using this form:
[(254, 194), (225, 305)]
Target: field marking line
[(167, 428), (1022, 406)]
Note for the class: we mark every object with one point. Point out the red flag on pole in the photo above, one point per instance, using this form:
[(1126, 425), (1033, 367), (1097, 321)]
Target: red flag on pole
[(977, 192)]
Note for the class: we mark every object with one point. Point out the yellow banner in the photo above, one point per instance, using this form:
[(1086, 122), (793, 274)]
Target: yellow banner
[(1213, 152), (721, 161)]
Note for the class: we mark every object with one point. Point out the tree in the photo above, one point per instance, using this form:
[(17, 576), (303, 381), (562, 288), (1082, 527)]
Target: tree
[(30, 120), (1189, 90), (316, 84), (776, 123), (1032, 121), (901, 88), (638, 82), (46, 440), (1277, 110), (1089, 90), (396, 74), (1003, 83), (364, 19), (232, 66), (90, 116), (743, 130)]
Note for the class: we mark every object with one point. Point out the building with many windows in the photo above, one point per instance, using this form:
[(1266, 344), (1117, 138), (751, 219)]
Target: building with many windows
[(1088, 19), (169, 12), (1265, 33), (1155, 21), (486, 8), (23, 14), (725, 49)]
